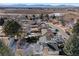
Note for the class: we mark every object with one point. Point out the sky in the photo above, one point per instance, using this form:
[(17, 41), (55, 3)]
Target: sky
[(39, 1), (52, 2)]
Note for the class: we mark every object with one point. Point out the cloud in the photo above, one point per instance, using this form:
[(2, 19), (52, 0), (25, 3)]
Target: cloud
[(39, 1)]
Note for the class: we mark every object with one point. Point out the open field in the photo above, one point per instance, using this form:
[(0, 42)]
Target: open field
[(68, 13), (38, 11)]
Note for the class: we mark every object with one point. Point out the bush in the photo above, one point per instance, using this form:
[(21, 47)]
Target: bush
[(32, 39)]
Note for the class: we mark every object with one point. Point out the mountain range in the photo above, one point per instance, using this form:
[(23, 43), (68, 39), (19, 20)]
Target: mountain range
[(36, 6)]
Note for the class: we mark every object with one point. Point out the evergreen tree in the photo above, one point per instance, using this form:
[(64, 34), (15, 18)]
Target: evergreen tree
[(11, 27), (71, 46)]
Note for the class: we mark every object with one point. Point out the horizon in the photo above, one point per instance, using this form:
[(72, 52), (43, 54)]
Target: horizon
[(55, 4)]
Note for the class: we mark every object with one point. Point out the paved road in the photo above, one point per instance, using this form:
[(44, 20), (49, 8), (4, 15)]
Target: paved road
[(61, 30)]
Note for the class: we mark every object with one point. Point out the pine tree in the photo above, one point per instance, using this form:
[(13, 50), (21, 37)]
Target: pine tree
[(71, 46)]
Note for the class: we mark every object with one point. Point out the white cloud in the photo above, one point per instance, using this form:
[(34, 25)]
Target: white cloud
[(39, 1)]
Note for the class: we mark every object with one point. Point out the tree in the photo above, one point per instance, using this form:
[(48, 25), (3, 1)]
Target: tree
[(30, 18), (53, 17), (4, 50), (26, 17), (56, 30), (71, 46), (1, 21), (34, 17), (76, 28), (41, 16), (32, 39), (61, 52), (11, 27), (62, 21), (47, 16)]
